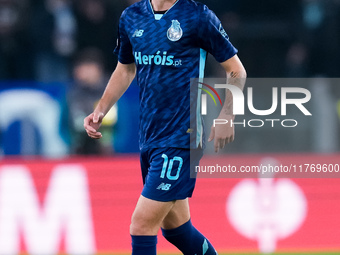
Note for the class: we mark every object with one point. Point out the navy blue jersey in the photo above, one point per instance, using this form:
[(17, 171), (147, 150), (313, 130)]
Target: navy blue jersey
[(168, 50)]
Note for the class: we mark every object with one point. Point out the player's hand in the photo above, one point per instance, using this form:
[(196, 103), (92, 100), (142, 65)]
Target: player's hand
[(92, 124), (222, 133)]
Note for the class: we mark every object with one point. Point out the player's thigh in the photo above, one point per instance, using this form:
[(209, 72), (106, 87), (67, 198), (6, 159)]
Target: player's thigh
[(148, 216), (178, 215)]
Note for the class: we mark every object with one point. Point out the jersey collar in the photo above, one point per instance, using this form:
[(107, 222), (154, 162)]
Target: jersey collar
[(153, 13)]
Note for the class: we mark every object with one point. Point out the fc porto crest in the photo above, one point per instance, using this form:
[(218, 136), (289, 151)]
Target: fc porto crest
[(175, 32)]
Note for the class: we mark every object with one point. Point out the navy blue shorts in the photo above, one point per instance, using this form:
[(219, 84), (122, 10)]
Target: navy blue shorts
[(166, 173)]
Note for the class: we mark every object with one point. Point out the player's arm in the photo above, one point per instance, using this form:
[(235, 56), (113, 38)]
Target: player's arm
[(119, 82), (236, 75)]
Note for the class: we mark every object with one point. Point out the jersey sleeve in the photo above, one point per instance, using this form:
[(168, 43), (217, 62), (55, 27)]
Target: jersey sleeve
[(124, 48), (213, 38)]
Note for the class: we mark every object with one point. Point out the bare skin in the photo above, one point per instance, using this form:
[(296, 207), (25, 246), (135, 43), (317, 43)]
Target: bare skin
[(150, 215), (236, 75), (162, 5)]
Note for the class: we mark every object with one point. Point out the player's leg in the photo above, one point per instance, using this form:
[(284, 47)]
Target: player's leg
[(145, 223), (178, 230), (148, 216), (166, 177), (178, 215)]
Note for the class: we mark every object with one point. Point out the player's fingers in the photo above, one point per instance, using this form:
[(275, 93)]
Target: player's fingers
[(222, 143), (92, 132), (97, 117), (212, 134), (90, 129), (94, 135), (231, 139), (217, 145), (87, 122)]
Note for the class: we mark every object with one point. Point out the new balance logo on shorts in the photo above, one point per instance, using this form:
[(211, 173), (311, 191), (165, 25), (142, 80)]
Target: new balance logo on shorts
[(164, 186)]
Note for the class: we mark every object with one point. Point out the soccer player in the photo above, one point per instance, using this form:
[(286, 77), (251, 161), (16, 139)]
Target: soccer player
[(165, 42)]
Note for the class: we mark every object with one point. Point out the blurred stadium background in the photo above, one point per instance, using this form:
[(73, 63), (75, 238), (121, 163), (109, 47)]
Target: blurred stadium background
[(61, 192)]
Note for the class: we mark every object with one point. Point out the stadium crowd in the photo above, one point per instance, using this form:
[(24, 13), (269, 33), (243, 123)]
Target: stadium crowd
[(40, 38)]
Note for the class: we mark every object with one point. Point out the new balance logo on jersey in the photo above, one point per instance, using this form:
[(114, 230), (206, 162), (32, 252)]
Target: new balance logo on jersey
[(138, 33), (223, 32), (164, 186), (157, 59)]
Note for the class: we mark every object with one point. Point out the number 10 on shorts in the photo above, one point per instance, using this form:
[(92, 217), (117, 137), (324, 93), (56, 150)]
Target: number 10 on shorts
[(167, 167)]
